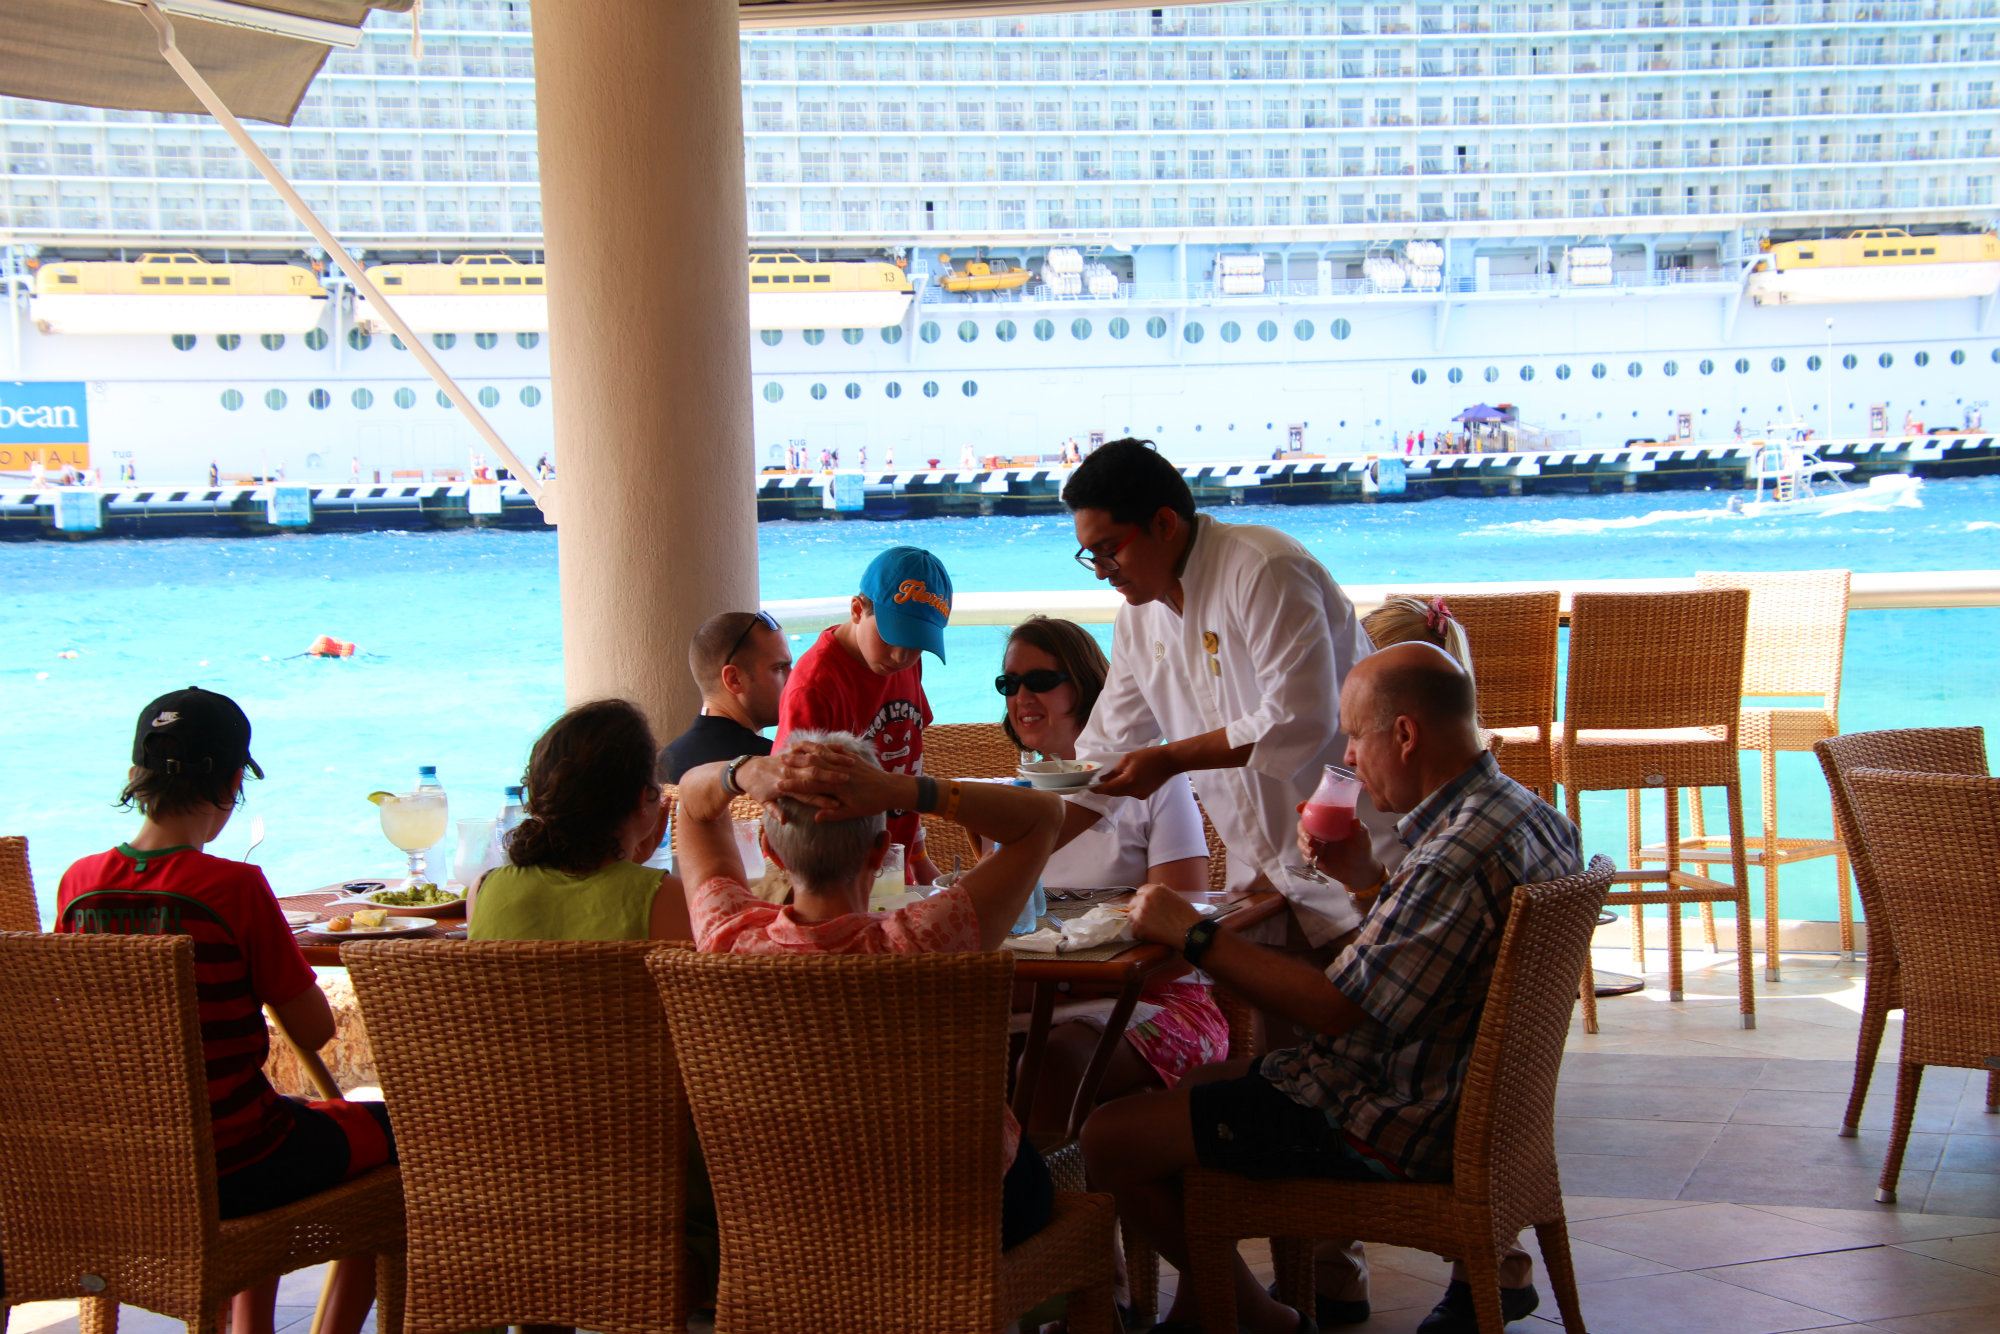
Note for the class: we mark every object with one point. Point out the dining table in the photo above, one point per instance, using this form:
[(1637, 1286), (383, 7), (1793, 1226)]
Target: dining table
[(1119, 971)]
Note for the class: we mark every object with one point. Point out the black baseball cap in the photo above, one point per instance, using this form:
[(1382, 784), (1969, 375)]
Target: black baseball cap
[(194, 731)]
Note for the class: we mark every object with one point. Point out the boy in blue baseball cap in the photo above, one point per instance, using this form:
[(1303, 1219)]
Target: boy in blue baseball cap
[(865, 676)]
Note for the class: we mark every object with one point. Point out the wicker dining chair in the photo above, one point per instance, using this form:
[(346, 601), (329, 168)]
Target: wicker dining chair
[(963, 750), (1933, 842), (1652, 701), (1792, 650), (1930, 750), (856, 1100), (17, 887), (542, 1130), (108, 1193), (1504, 1175), (1513, 641)]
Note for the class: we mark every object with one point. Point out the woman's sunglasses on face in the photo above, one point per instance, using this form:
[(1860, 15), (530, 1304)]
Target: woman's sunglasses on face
[(1040, 681)]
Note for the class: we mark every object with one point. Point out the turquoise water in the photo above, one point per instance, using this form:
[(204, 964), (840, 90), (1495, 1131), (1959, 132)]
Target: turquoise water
[(461, 642)]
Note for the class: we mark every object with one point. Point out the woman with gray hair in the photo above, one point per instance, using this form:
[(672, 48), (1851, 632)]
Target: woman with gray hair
[(825, 804)]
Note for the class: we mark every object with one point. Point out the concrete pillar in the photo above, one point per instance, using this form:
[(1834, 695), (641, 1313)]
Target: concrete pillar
[(640, 109)]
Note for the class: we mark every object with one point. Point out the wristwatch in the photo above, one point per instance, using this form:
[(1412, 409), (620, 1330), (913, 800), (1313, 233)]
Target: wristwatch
[(729, 783), (1199, 937)]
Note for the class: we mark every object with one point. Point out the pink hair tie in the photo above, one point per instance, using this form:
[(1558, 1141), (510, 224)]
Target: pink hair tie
[(1436, 618)]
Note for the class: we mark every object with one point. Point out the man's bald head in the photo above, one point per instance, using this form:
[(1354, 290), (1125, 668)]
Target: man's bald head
[(1420, 681)]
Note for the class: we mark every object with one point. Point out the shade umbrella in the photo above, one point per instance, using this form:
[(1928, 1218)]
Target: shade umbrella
[(1481, 412)]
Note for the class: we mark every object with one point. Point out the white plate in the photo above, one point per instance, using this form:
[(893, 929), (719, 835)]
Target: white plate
[(1042, 775), (391, 926)]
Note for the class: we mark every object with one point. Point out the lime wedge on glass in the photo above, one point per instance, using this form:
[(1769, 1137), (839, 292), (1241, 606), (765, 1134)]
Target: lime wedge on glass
[(379, 797)]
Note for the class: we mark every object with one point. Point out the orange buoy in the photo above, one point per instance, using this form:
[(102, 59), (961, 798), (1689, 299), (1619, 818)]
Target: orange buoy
[(326, 646)]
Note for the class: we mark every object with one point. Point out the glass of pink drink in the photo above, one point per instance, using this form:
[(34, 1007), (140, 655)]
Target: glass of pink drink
[(1328, 815)]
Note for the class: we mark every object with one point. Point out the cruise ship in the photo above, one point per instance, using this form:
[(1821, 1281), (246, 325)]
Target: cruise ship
[(1242, 230)]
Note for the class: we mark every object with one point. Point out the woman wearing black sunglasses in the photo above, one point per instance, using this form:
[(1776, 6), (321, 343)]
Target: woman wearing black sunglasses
[(1050, 677)]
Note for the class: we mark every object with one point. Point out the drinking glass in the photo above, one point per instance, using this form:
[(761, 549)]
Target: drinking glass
[(473, 856), (888, 889), (415, 823), (1328, 814), (750, 847)]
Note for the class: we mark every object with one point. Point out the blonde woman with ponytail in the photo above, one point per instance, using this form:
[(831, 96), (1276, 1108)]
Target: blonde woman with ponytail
[(1403, 618)]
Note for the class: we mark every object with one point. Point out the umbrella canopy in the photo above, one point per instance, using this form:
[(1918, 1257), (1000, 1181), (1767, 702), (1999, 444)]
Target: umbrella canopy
[(1480, 412), (260, 56)]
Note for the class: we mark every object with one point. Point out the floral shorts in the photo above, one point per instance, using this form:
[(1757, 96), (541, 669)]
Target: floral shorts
[(1178, 1028)]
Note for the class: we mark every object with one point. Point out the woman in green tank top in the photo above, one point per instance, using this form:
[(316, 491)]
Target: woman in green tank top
[(576, 864)]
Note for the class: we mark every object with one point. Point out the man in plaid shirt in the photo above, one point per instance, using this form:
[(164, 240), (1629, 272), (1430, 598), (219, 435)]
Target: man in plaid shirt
[(1373, 1095)]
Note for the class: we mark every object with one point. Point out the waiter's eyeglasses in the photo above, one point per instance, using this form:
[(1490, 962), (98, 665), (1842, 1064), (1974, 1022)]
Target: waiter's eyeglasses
[(1104, 563), (1042, 680), (763, 618)]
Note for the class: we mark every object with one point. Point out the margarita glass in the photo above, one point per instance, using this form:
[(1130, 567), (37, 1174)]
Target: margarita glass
[(414, 822)]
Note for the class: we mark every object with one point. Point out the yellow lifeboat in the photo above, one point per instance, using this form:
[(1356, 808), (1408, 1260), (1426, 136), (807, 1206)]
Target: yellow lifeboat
[(787, 292), (981, 275), (1877, 264), (175, 292), (489, 293)]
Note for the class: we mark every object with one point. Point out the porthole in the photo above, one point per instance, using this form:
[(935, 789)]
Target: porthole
[(1743, 365), (892, 334), (1527, 373), (1886, 360), (1922, 358), (316, 339), (818, 391), (359, 339), (531, 397), (232, 399), (272, 342), (1958, 356), (774, 392), (1562, 370), (771, 337), (853, 390), (1456, 375), (893, 389), (444, 342), (1670, 368), (1045, 330), (489, 397), (1303, 331), (320, 400), (229, 342), (486, 342), (1813, 362), (1079, 329), (396, 341), (1849, 362), (814, 337), (1156, 327), (1707, 366), (275, 400), (1417, 376), (1192, 331), (1005, 331), (528, 341), (1267, 331), (1597, 370), (928, 331), (1231, 331), (968, 332), (1490, 374), (1777, 365), (970, 388), (930, 389), (1996, 356), (1340, 329), (851, 337), (362, 398), (443, 399), (406, 397), (1118, 327), (1634, 370)]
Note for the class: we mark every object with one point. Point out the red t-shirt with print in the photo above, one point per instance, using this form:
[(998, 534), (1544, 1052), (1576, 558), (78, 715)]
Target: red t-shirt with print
[(833, 691)]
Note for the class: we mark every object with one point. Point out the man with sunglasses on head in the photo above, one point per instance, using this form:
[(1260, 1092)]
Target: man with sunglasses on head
[(741, 661)]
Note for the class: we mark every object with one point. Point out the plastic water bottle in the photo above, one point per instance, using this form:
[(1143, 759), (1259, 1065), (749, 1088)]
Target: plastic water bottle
[(427, 779), (512, 812), (1038, 903)]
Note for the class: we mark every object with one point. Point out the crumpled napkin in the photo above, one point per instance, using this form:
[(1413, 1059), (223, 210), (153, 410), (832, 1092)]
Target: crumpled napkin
[(1100, 926)]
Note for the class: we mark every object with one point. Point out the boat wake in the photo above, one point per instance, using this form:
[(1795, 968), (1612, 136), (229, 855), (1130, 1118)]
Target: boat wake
[(1590, 527)]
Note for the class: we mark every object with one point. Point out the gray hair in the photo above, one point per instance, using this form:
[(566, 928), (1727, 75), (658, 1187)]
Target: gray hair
[(822, 854)]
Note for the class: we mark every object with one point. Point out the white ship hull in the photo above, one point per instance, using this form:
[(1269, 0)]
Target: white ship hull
[(827, 310), (455, 314), (1900, 282), (160, 313)]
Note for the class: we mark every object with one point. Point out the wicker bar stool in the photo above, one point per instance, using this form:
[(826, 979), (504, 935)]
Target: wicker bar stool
[(1793, 648), (1930, 750), (963, 750), (890, 1071), (102, 1049), (542, 1129), (1934, 843), (1513, 641), (1504, 1174), (1652, 702), (17, 887)]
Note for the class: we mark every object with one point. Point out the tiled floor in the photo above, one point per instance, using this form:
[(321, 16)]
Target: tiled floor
[(1707, 1190)]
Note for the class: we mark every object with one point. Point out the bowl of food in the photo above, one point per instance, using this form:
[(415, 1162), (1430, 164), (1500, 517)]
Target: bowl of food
[(1059, 775), (425, 900)]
